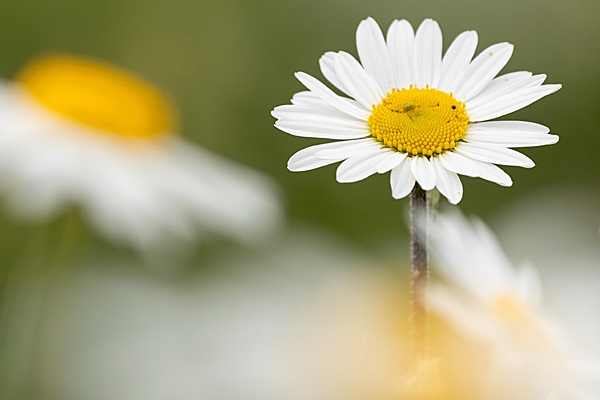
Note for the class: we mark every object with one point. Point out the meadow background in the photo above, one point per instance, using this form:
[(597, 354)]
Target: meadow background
[(228, 63)]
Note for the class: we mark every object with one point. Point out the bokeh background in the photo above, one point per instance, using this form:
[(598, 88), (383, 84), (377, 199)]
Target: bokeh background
[(226, 64)]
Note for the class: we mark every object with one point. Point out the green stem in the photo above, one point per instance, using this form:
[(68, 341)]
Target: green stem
[(25, 298), (419, 317)]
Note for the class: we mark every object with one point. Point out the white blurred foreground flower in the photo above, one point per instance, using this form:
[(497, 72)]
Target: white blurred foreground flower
[(75, 131), (308, 318), (500, 307), (415, 113)]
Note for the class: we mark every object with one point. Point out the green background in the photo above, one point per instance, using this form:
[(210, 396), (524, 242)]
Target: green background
[(228, 63)]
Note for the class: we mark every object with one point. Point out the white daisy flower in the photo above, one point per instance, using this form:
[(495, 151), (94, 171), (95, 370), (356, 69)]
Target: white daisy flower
[(500, 307), (77, 132), (415, 113)]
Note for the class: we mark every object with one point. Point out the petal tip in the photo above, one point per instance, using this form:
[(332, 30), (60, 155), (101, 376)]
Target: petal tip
[(368, 20), (340, 179), (300, 75), (455, 201), (396, 197)]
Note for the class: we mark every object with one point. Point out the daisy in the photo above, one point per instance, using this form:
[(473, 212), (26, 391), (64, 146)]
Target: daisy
[(74, 131), (500, 307), (415, 113)]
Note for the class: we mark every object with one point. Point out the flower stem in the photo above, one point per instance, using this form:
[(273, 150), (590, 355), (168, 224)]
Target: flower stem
[(419, 318)]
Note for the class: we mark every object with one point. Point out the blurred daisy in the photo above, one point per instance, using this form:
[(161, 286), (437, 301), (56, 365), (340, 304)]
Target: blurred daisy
[(78, 132), (307, 317), (500, 307), (416, 113)]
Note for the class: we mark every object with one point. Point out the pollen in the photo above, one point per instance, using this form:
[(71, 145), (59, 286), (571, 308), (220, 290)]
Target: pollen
[(423, 122), (98, 95)]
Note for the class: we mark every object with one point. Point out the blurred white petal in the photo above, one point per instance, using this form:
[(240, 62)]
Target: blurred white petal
[(140, 192)]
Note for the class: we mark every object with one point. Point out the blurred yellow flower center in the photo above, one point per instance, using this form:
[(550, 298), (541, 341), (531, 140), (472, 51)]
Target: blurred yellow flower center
[(419, 121), (520, 320), (511, 310), (99, 96)]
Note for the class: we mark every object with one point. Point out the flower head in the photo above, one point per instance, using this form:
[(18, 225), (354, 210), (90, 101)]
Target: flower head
[(415, 113), (74, 131), (499, 309)]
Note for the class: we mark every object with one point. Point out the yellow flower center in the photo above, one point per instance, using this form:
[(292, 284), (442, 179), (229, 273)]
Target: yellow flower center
[(99, 96), (521, 321), (419, 121)]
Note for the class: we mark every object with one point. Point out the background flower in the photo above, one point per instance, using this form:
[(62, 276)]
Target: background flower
[(76, 132), (304, 319), (500, 307)]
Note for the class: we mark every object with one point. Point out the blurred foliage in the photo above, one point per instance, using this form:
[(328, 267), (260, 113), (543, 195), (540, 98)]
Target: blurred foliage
[(228, 63)]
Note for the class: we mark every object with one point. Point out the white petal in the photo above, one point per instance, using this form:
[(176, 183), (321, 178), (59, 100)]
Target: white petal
[(358, 168), (509, 86), (506, 79), (393, 159), (423, 172), (493, 173), (323, 128), (310, 99), (428, 54), (499, 86), (457, 59), (529, 284), (330, 97), (299, 112), (500, 271), (465, 316), (402, 180), (510, 102), (448, 183), (458, 163), (514, 141), (374, 54), (348, 149), (305, 159), (502, 126), (461, 250), (495, 154), (462, 165), (357, 82), (400, 41), (510, 134), (327, 64), (482, 70)]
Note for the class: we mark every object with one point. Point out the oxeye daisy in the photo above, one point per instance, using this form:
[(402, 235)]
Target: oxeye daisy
[(500, 308), (75, 131), (411, 111)]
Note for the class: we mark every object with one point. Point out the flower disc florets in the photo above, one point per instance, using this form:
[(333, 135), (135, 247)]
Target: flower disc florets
[(415, 111), (100, 96), (419, 121)]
